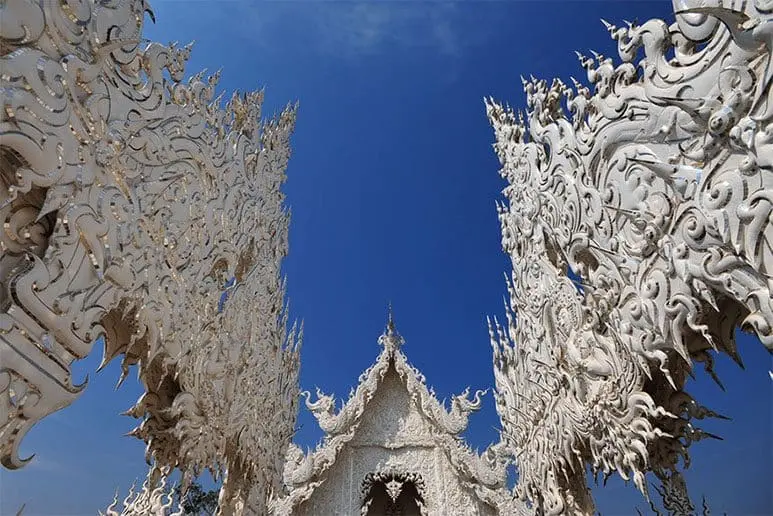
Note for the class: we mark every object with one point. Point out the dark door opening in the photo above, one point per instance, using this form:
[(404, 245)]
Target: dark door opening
[(392, 495)]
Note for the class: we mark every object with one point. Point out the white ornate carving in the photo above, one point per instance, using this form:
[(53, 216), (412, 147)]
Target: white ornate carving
[(656, 188), (394, 481), (673, 491), (152, 499), (130, 200), (454, 422), (393, 424)]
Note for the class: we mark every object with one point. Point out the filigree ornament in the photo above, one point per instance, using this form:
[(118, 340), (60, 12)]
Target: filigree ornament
[(153, 499), (655, 188), (393, 480), (372, 423), (676, 499), (131, 202)]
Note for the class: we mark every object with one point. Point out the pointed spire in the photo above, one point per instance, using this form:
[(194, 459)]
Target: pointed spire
[(390, 329), (390, 339)]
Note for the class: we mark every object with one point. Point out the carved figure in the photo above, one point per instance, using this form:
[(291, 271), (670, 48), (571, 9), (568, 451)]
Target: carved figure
[(655, 189), (131, 201)]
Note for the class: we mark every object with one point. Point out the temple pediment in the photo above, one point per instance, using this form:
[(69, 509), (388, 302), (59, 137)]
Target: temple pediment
[(392, 437)]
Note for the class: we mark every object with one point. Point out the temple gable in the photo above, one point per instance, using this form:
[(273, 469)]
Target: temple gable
[(392, 419), (392, 448)]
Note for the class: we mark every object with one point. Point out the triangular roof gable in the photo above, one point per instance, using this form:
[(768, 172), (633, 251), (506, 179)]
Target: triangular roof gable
[(347, 419), (304, 472)]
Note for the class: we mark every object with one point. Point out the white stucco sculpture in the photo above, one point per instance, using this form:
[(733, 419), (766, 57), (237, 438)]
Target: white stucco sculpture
[(138, 209), (655, 186), (152, 499), (393, 447)]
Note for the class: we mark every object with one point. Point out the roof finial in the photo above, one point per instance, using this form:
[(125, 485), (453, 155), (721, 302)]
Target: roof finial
[(390, 321), (390, 339)]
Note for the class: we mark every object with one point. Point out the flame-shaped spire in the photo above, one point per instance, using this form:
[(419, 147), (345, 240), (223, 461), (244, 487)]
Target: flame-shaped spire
[(390, 329), (390, 338)]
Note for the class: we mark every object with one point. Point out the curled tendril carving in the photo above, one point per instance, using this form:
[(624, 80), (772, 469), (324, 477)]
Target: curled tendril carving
[(131, 200), (654, 186), (393, 481), (153, 498)]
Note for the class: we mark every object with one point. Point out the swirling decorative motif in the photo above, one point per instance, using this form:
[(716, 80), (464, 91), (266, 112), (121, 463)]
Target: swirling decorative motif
[(129, 199), (656, 189), (394, 481), (673, 491), (153, 498), (376, 427), (675, 498), (334, 423)]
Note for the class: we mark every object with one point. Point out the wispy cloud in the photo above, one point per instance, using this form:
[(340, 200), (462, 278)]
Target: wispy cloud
[(365, 28), (351, 29)]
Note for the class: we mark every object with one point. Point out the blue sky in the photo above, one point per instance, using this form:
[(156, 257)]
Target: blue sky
[(392, 186)]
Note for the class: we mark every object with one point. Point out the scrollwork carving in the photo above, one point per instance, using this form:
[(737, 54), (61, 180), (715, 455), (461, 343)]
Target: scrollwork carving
[(152, 499), (393, 480), (393, 423), (653, 187), (132, 199)]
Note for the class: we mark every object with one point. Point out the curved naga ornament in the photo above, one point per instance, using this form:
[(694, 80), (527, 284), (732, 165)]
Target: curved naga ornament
[(129, 200), (656, 188)]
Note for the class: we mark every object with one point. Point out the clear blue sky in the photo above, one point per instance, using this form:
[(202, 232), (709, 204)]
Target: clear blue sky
[(392, 186)]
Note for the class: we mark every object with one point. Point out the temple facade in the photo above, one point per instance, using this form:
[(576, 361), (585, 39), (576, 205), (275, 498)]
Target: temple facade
[(393, 448)]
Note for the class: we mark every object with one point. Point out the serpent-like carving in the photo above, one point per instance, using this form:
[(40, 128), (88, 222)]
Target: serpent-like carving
[(654, 186), (139, 208)]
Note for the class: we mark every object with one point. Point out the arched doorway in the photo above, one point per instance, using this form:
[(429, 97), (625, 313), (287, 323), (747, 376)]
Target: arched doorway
[(392, 493)]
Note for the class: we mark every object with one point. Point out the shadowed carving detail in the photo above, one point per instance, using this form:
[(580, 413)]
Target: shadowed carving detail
[(653, 186), (132, 200)]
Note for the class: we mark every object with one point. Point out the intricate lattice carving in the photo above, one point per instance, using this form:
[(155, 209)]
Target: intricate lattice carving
[(656, 189), (130, 199)]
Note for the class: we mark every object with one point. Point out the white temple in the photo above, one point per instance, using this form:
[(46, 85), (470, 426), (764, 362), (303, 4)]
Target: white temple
[(393, 448), (131, 199)]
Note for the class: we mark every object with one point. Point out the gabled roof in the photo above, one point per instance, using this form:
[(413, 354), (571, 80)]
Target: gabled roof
[(485, 474)]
